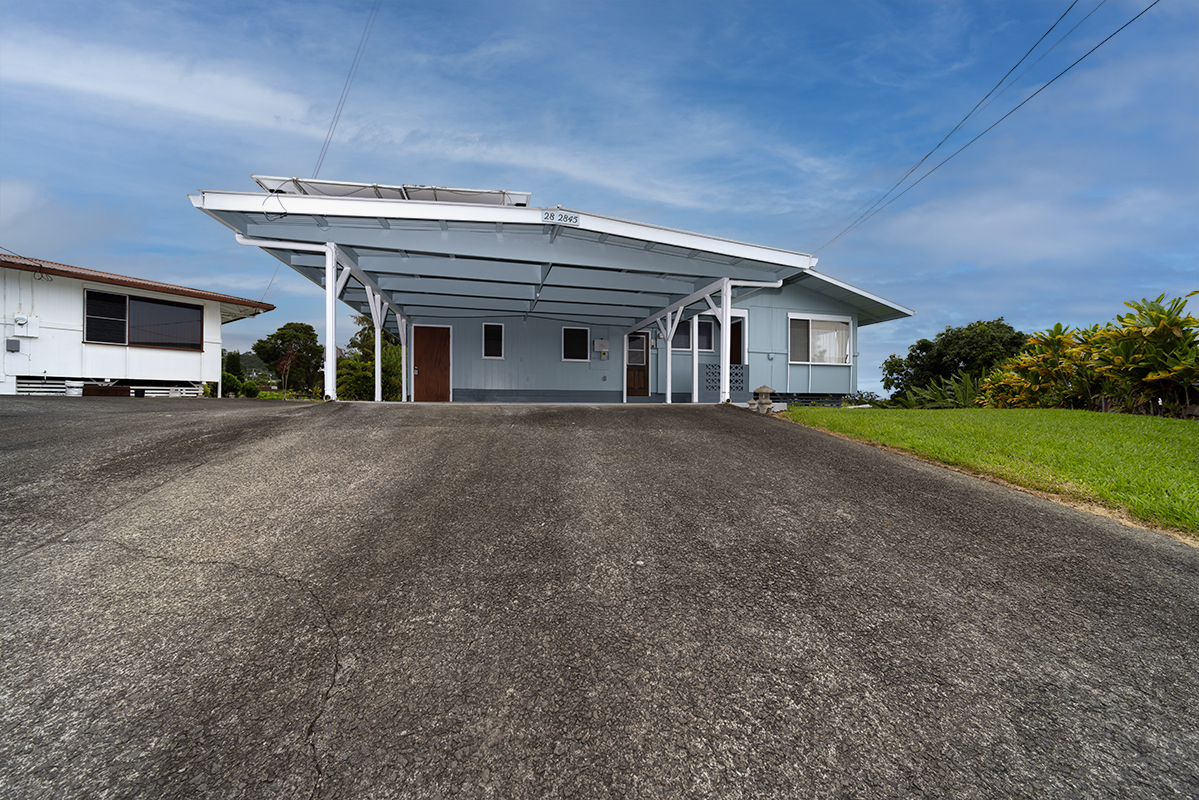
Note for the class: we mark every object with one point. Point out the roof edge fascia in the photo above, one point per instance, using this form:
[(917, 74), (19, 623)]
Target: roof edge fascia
[(370, 207), (904, 311), (112, 279)]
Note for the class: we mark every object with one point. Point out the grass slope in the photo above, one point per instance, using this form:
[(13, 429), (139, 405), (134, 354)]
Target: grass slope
[(1148, 466)]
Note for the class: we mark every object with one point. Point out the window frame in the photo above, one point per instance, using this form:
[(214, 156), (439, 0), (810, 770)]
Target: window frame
[(711, 335), (499, 325), (848, 362), (87, 317), (587, 349), (129, 303)]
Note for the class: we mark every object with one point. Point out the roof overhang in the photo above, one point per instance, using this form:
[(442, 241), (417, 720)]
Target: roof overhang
[(232, 308), (446, 258)]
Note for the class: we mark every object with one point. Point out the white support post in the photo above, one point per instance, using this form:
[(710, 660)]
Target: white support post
[(378, 316), (672, 324), (726, 336), (669, 365), (331, 321), (411, 364), (405, 357), (695, 359), (624, 369)]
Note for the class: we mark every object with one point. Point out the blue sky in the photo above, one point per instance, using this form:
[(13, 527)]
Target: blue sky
[(764, 122)]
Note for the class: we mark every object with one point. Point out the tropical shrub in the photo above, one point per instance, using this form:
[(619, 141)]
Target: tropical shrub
[(355, 379), (249, 389), (1143, 362), (229, 383), (956, 391)]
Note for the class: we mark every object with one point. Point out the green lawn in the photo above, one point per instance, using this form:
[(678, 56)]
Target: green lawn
[(1148, 466)]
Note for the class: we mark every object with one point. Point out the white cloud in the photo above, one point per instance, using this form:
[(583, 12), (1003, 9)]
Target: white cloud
[(165, 83)]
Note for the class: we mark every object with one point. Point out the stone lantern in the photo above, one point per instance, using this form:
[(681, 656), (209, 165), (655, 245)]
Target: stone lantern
[(762, 399)]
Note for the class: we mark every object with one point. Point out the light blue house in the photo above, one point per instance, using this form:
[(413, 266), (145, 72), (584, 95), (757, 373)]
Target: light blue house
[(497, 301)]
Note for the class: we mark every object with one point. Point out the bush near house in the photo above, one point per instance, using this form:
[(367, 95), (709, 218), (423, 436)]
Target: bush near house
[(230, 384), (1143, 362)]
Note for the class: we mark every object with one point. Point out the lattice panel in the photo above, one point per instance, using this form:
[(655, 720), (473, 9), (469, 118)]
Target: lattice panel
[(738, 378)]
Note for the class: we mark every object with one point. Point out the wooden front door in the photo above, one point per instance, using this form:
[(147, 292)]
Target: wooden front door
[(737, 341), (637, 372), (431, 364)]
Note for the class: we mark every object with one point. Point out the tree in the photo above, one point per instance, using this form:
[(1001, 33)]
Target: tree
[(356, 372), (233, 364), (295, 350), (973, 349)]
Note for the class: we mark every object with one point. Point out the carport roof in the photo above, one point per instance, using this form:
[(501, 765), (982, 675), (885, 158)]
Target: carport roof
[(442, 253)]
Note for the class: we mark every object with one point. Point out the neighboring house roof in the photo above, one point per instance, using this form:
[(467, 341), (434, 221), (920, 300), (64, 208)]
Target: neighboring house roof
[(449, 253), (232, 308)]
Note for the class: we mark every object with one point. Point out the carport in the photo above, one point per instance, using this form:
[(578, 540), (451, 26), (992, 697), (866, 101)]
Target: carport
[(419, 255)]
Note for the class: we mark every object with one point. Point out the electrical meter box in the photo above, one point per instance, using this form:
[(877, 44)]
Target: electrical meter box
[(25, 325)]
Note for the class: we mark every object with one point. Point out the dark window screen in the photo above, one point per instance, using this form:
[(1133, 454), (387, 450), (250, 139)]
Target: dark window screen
[(574, 344), (682, 336), (493, 341), (800, 333), (159, 323), (104, 318)]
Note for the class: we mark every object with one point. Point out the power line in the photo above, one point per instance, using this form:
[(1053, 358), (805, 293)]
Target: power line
[(976, 138), (1047, 52), (345, 91), (956, 128)]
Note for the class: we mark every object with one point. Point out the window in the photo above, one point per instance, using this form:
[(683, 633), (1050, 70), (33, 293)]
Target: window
[(104, 317), (818, 340), (493, 340), (574, 344), (161, 323), (637, 345), (682, 336), (141, 321)]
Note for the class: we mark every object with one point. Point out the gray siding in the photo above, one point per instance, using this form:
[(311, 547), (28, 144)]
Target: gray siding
[(532, 368), (532, 359)]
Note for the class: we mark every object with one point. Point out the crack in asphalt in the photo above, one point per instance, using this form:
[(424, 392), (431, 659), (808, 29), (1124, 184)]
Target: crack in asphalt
[(310, 731)]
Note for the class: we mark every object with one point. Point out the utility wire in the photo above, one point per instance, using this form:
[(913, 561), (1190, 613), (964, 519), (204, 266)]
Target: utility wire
[(1016, 79), (345, 91), (976, 138), (956, 128)]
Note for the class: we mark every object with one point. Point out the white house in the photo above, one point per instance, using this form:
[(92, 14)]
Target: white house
[(502, 301), (69, 330)]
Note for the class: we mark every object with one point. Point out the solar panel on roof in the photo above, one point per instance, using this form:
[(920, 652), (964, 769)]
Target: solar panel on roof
[(439, 194)]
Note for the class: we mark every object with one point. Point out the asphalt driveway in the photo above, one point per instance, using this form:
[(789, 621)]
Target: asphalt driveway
[(254, 599)]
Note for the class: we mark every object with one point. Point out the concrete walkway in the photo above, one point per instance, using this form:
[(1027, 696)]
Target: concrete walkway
[(235, 599)]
